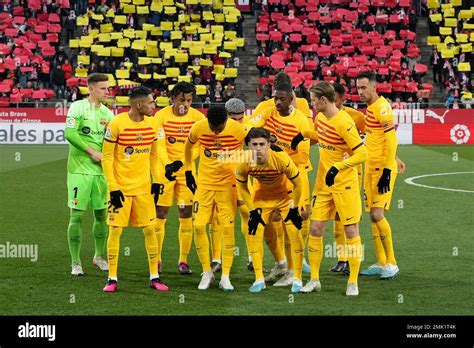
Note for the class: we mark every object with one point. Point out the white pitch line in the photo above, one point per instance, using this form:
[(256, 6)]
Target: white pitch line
[(411, 181)]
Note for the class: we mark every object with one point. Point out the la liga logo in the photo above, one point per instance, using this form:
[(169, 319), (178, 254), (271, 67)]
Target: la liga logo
[(460, 134)]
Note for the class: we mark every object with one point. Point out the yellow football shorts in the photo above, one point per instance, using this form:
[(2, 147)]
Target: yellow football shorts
[(140, 210), (372, 197), (222, 204), (178, 188), (347, 204)]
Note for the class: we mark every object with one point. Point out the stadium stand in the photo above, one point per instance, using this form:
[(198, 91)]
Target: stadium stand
[(336, 39), (451, 30), (158, 44), (29, 37)]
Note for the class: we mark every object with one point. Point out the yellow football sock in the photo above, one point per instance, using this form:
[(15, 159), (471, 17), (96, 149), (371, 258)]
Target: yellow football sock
[(228, 243), (379, 250), (216, 240), (305, 231), (244, 225), (201, 243), (160, 234), (386, 238), (273, 235), (256, 253), (340, 238), (315, 255), (288, 248), (354, 256), (113, 246), (151, 245), (185, 238), (297, 249)]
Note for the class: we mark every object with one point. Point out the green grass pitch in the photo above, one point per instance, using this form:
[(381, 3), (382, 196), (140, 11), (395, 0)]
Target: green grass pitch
[(432, 231)]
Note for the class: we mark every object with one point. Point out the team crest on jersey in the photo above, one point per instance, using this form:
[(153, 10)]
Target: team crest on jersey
[(161, 133), (217, 143), (128, 150), (139, 137), (207, 153), (181, 129), (103, 121), (171, 140), (273, 138), (71, 122), (279, 130), (323, 131)]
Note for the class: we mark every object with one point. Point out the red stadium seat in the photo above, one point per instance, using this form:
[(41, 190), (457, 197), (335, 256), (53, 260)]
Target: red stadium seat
[(39, 94), (262, 37), (54, 18), (421, 68)]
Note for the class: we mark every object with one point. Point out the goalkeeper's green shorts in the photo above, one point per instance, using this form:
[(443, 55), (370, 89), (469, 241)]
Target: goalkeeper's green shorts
[(86, 191)]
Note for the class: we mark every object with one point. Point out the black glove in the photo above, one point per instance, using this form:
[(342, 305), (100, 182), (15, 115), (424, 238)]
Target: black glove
[(190, 182), (295, 217), (384, 182), (255, 219), (116, 199), (172, 168), (276, 148), (156, 191), (331, 174), (296, 140)]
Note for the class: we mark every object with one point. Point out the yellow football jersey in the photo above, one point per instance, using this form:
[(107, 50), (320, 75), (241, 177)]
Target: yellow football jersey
[(336, 137), (217, 153), (358, 118), (301, 104), (128, 149), (284, 129), (272, 177), (174, 131), (381, 142)]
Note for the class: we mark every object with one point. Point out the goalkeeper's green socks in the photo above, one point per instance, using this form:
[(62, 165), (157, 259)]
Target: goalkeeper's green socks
[(100, 231), (74, 234)]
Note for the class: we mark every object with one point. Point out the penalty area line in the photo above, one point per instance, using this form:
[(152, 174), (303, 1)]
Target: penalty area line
[(411, 181)]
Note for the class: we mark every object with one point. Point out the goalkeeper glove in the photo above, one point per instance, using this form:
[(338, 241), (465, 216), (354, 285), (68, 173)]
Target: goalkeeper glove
[(254, 220), (384, 181), (172, 168), (295, 217), (331, 174), (190, 182), (156, 191), (296, 140), (116, 198)]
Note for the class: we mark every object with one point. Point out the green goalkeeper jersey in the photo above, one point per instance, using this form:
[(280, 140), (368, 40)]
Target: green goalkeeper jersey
[(85, 126)]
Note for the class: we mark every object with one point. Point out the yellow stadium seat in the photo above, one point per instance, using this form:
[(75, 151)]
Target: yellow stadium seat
[(144, 60), (86, 60), (156, 6), (201, 90), (190, 30), (448, 40), (123, 43), (447, 54), (206, 2), (219, 18), (127, 82), (461, 38), (176, 35), (104, 38), (139, 2), (208, 15), (181, 58), (81, 72), (186, 44), (437, 17), (230, 45), (117, 52), (147, 27), (166, 45), (96, 48), (185, 78), (217, 29), (156, 31), (122, 100), (106, 28), (139, 45), (94, 33), (210, 49), (230, 34), (144, 76), (231, 18), (74, 43), (466, 47), (97, 17), (465, 66), (444, 7), (230, 72), (468, 26), (110, 13), (83, 90), (122, 74), (220, 77), (205, 37), (240, 41), (141, 10), (127, 9), (465, 14), (85, 44), (162, 101), (205, 62), (170, 10), (195, 51), (168, 2), (152, 51), (82, 21), (120, 20), (449, 12), (445, 31), (157, 76), (219, 69), (116, 36), (456, 2), (229, 2), (166, 26), (191, 2), (196, 69), (172, 72), (225, 55), (104, 52), (450, 22)]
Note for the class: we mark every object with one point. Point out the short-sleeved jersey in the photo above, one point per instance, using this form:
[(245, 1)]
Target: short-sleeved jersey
[(358, 117), (336, 137), (272, 178), (134, 141), (89, 122), (378, 121), (217, 153), (283, 130), (175, 130)]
